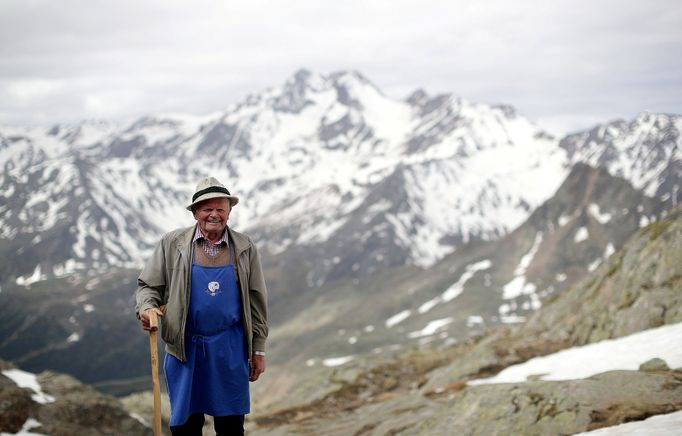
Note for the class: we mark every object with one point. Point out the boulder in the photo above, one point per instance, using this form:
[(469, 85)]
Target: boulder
[(654, 364)]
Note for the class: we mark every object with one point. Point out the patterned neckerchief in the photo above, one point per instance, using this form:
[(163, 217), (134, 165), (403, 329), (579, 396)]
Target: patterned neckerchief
[(210, 248)]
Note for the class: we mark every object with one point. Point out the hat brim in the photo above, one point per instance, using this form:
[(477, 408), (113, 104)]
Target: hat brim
[(233, 200)]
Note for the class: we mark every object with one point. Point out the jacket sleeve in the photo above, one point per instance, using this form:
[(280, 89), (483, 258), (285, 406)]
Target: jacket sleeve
[(151, 284), (258, 295)]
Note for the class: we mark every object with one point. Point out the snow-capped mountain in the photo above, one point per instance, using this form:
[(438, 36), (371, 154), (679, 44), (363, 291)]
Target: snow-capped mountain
[(647, 151), (332, 174)]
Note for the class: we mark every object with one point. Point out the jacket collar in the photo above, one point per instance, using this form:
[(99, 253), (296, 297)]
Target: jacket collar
[(184, 241), (241, 241)]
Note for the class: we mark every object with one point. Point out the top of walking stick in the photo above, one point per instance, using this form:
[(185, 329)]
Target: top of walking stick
[(153, 322)]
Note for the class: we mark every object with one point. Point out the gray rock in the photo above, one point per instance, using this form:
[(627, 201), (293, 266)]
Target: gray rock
[(566, 407), (16, 406), (654, 364)]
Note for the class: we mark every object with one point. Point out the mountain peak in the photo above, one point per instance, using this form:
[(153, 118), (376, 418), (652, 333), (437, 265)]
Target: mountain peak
[(658, 119), (508, 110), (418, 97), (304, 78), (293, 97), (345, 76)]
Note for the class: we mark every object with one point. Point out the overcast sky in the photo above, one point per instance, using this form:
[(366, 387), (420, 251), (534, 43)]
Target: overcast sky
[(566, 65)]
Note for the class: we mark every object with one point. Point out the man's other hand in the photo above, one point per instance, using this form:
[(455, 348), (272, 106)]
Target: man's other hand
[(257, 367)]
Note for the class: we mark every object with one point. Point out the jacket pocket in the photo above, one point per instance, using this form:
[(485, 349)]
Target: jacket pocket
[(167, 333)]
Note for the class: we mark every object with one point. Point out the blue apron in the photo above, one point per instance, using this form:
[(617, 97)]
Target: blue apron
[(215, 378)]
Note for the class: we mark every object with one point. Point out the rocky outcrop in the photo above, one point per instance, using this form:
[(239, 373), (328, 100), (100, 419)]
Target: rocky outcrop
[(15, 404), (77, 409), (563, 407), (531, 408)]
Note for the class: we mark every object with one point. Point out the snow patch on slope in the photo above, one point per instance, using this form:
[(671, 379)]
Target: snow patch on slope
[(28, 380), (518, 285), (625, 353)]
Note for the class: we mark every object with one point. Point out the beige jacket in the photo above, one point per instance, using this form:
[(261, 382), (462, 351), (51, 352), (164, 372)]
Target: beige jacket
[(166, 277)]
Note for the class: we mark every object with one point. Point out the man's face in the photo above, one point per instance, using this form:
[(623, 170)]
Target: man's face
[(212, 214)]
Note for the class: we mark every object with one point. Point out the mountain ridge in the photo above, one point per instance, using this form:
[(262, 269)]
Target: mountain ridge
[(305, 157)]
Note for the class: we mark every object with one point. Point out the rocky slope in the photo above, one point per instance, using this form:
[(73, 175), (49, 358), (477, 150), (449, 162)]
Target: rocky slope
[(533, 408), (63, 407), (638, 288), (425, 392)]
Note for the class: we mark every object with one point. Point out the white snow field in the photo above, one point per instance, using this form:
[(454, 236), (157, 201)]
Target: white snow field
[(581, 362)]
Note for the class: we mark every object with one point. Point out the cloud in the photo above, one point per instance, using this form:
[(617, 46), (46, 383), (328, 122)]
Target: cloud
[(571, 62), (27, 91)]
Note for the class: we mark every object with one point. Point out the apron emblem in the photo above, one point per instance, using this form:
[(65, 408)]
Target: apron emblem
[(213, 289)]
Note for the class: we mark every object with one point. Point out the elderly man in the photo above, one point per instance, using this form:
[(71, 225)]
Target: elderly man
[(206, 283)]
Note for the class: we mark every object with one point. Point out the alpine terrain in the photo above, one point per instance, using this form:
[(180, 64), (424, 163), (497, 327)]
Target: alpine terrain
[(388, 229)]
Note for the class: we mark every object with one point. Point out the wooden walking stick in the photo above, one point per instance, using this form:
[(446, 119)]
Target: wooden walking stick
[(153, 327)]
